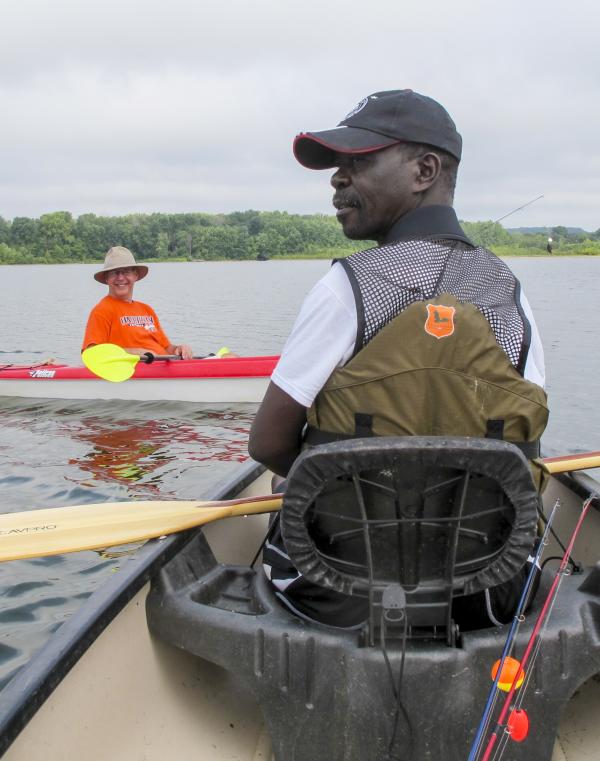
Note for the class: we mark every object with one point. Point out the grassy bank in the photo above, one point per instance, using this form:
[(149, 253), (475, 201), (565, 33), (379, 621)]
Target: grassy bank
[(570, 249), (590, 248)]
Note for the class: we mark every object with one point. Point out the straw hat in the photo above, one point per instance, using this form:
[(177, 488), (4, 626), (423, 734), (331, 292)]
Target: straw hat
[(116, 258)]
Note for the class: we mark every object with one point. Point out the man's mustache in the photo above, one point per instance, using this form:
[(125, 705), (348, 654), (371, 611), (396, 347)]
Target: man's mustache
[(344, 200)]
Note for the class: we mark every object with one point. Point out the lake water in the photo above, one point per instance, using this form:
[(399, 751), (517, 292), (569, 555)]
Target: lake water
[(65, 453)]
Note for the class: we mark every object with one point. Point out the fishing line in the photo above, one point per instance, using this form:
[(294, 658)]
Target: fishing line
[(518, 618), (536, 629), (536, 649), (557, 540), (517, 704)]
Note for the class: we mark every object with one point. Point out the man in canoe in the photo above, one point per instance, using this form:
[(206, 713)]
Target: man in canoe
[(422, 334), (118, 319)]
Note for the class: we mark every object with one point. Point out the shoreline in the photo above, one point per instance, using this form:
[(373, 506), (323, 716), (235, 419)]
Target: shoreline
[(297, 257)]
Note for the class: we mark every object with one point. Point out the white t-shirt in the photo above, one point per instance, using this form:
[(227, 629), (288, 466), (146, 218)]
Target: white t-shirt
[(324, 336)]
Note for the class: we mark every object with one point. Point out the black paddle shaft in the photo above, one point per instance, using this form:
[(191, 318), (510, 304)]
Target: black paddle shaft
[(148, 358)]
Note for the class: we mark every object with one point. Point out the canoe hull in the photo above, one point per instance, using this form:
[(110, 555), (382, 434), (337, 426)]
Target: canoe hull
[(103, 687)]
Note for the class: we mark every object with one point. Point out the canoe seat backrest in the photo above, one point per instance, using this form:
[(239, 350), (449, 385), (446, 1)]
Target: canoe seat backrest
[(410, 522)]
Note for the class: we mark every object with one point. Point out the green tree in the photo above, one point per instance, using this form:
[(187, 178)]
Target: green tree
[(487, 234), (269, 243), (23, 232), (92, 232), (4, 231), (10, 255), (223, 242), (56, 238), (559, 234), (162, 246)]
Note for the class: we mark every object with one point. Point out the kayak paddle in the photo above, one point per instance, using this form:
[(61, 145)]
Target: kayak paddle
[(57, 530), (112, 363)]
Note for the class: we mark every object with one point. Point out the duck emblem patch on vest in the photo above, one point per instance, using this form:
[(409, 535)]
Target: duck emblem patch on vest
[(440, 320)]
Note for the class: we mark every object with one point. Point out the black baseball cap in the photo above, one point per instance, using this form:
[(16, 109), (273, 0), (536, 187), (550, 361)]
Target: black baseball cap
[(378, 121)]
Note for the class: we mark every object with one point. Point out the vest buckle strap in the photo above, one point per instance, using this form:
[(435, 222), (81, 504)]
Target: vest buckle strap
[(495, 430), (314, 436), (363, 425)]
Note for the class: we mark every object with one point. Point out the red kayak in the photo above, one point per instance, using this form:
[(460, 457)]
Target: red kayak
[(231, 379)]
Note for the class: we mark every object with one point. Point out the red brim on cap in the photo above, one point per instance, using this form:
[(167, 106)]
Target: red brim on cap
[(316, 150)]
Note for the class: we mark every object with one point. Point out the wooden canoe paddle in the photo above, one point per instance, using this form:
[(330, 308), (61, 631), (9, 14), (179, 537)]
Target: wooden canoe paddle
[(567, 463), (56, 530), (53, 531)]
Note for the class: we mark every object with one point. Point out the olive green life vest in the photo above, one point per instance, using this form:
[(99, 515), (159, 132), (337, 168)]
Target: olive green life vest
[(434, 370)]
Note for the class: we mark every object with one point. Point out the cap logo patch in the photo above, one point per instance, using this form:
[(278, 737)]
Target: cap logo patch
[(357, 108), (440, 320)]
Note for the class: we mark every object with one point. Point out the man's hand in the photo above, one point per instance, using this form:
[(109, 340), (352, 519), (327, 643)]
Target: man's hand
[(276, 434)]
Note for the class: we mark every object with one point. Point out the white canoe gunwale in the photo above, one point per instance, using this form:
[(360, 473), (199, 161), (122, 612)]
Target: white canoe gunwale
[(28, 691)]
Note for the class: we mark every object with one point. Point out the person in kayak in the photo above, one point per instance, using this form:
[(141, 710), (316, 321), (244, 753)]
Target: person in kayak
[(422, 334), (118, 319)]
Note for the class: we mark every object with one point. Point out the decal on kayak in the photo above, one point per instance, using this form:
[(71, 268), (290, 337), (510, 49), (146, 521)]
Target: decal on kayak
[(42, 373), (440, 320)]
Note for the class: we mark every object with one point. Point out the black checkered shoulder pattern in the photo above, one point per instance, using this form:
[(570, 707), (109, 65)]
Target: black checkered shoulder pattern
[(387, 279)]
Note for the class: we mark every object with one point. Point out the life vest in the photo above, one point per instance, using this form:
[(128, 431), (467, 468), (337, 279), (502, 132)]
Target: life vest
[(435, 370), (387, 279)]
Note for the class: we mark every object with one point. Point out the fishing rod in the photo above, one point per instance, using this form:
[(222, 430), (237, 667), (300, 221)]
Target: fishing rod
[(517, 619), (518, 678), (533, 200)]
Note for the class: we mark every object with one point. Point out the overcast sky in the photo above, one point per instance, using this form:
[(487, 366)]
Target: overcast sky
[(113, 107)]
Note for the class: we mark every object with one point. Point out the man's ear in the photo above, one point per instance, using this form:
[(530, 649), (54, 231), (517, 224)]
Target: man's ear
[(429, 169)]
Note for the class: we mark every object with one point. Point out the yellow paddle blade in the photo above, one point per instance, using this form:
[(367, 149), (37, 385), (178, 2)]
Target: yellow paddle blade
[(110, 362), (36, 533)]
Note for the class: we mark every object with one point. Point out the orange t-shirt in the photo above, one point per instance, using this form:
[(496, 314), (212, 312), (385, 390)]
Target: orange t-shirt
[(131, 325)]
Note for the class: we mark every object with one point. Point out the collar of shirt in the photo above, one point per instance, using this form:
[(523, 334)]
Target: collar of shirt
[(427, 222)]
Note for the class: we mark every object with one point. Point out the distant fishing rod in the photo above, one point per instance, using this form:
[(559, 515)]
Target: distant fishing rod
[(519, 208)]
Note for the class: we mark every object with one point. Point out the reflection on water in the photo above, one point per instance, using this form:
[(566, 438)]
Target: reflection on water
[(121, 453), (55, 453), (136, 453)]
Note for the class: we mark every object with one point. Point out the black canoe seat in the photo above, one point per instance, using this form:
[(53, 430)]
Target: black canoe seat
[(405, 523), (419, 520)]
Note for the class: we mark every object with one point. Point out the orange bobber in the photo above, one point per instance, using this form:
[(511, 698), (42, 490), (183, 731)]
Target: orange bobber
[(508, 674)]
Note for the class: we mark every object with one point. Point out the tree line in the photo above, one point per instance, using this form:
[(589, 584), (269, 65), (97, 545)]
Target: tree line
[(58, 237), (511, 243)]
